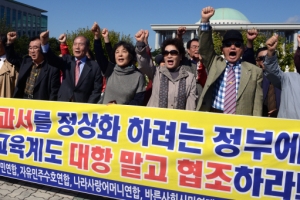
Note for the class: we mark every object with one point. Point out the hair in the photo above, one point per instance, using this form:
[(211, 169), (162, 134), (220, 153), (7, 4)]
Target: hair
[(176, 42), (87, 41), (34, 38), (188, 44), (259, 50), (2, 37)]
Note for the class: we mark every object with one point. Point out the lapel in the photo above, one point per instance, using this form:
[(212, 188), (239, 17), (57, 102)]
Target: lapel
[(25, 68), (215, 72), (43, 73), (245, 76), (72, 71), (86, 69)]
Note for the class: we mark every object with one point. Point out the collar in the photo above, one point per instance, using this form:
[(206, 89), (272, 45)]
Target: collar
[(237, 64), (38, 65), (3, 57), (182, 73), (83, 60)]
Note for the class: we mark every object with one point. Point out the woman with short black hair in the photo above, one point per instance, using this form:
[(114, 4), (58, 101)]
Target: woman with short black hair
[(124, 83)]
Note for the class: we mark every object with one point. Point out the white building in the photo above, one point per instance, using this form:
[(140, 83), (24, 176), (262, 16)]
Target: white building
[(225, 19)]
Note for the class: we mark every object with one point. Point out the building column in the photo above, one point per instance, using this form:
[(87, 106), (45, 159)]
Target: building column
[(192, 35), (295, 40), (157, 40), (174, 34)]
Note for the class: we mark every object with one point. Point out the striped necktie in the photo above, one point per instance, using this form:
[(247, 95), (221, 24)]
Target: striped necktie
[(230, 92)]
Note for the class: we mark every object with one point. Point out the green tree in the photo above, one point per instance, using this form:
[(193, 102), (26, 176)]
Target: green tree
[(114, 37), (54, 45), (21, 45), (4, 27), (156, 52)]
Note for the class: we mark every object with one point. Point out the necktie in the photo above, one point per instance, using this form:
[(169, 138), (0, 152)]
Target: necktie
[(271, 98), (230, 92), (77, 71)]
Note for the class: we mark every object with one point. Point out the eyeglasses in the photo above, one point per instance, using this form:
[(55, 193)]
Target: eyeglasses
[(194, 47), (34, 48), (260, 58), (237, 44), (172, 52)]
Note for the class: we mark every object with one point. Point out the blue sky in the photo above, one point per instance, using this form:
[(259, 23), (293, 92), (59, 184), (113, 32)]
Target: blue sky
[(129, 16)]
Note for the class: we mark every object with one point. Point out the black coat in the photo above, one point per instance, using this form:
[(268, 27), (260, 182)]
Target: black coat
[(47, 84), (88, 88)]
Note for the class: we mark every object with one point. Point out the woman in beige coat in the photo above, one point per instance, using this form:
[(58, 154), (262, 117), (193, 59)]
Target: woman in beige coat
[(173, 86)]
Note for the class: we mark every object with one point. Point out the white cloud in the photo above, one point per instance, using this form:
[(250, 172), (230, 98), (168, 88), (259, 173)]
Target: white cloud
[(294, 19)]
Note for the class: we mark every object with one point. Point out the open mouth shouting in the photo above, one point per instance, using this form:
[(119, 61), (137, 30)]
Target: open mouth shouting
[(232, 54)]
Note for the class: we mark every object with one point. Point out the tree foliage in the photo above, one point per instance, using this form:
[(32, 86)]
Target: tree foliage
[(114, 37), (285, 51), (156, 52), (4, 27)]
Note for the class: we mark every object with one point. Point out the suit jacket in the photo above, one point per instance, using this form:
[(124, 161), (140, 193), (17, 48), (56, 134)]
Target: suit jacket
[(47, 83), (88, 88), (250, 96), (266, 84)]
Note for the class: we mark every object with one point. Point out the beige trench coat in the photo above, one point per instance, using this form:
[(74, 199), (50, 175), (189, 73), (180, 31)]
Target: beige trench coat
[(8, 79)]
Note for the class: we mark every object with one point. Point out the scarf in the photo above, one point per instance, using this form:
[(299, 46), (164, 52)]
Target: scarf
[(164, 90)]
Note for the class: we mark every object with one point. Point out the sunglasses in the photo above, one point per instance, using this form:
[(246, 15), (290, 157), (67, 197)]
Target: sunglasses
[(172, 52), (237, 44), (261, 58)]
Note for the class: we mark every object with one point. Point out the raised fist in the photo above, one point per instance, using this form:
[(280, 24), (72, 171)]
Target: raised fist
[(181, 30), (140, 36), (105, 33), (252, 34), (207, 13), (11, 37), (272, 43), (44, 37), (62, 38), (96, 29), (146, 32)]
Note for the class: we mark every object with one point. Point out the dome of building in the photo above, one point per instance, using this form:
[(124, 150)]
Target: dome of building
[(228, 16)]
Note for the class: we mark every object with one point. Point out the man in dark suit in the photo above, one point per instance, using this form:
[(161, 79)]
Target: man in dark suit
[(37, 78), (271, 94), (82, 79)]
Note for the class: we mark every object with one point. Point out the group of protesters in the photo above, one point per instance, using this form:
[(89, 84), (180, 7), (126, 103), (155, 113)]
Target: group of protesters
[(240, 81)]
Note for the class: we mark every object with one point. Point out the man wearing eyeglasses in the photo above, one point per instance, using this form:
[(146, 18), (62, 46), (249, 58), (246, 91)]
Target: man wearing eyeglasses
[(37, 78), (232, 86), (193, 61), (271, 94)]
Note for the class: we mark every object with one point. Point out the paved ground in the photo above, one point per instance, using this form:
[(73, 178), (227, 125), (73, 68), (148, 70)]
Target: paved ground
[(11, 189)]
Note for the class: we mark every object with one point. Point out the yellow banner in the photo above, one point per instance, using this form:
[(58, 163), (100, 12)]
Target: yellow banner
[(129, 152)]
